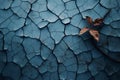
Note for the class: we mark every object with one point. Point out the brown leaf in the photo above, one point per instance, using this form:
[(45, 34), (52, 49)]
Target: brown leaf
[(98, 21), (95, 34), (84, 30), (89, 19)]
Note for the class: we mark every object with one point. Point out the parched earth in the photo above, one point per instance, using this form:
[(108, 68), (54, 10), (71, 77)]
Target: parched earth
[(39, 40)]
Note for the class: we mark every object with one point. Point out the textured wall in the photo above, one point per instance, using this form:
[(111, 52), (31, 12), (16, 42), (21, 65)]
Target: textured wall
[(39, 40)]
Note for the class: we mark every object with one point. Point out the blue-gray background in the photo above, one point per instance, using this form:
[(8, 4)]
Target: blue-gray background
[(39, 40)]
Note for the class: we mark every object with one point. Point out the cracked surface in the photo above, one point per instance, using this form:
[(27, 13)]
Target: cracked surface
[(39, 40)]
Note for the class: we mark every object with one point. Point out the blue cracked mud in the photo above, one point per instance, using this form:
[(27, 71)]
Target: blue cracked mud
[(39, 40)]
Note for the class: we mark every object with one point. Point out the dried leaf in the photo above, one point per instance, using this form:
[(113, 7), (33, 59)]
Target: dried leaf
[(95, 34), (89, 19), (98, 21), (92, 32), (84, 30)]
